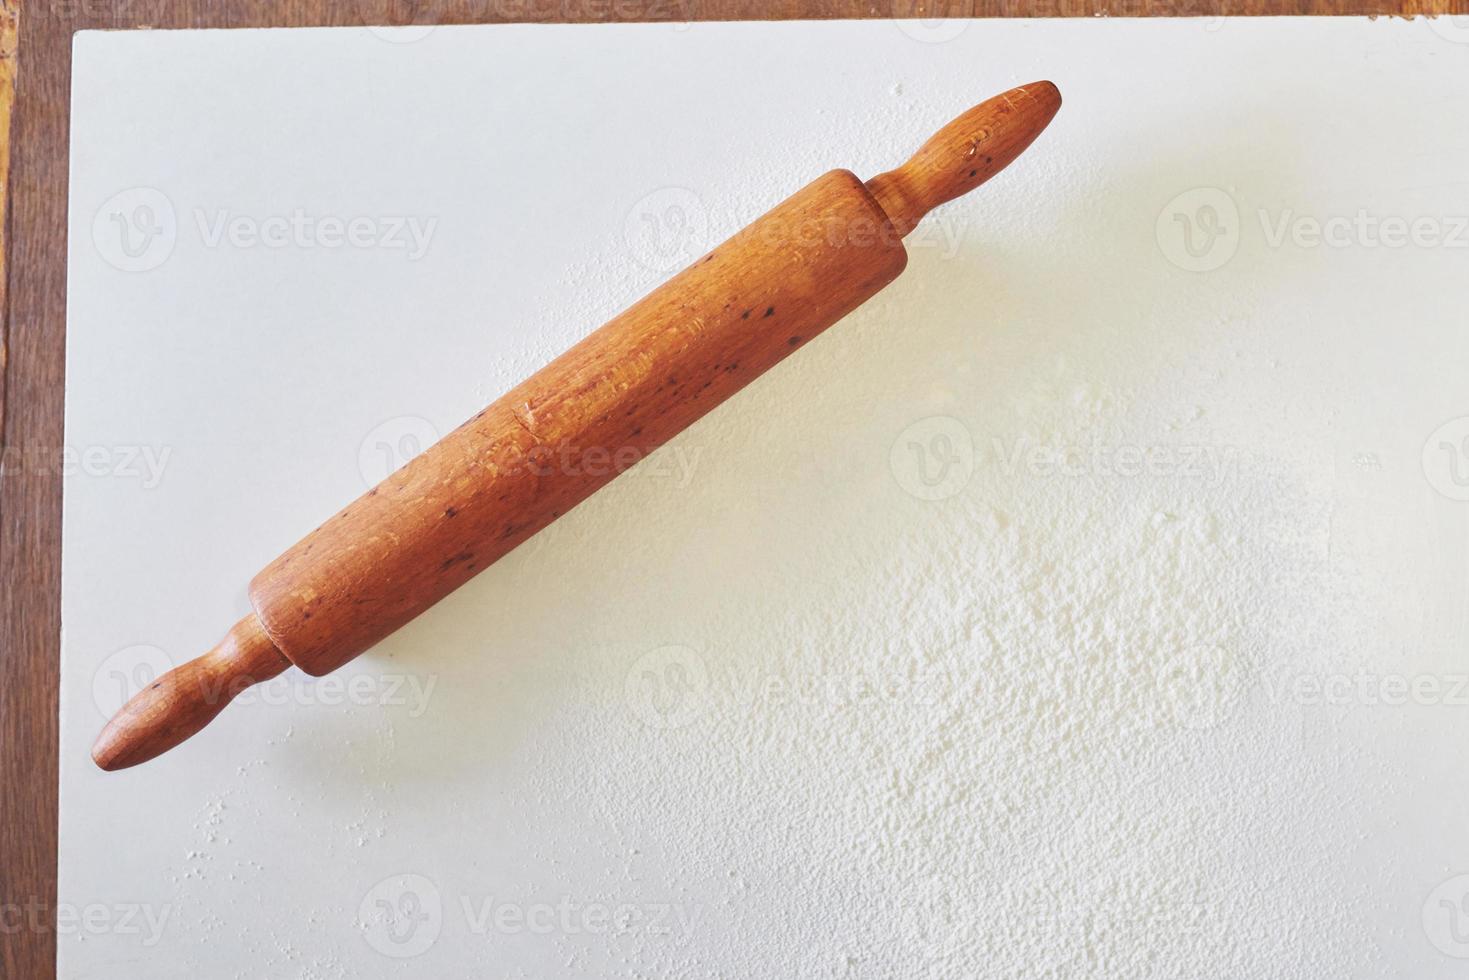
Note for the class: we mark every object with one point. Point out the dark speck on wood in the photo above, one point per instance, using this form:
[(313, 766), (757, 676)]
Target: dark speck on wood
[(770, 311), (463, 556)]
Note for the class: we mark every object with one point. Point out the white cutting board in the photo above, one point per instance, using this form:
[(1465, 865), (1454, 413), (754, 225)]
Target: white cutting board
[(857, 678)]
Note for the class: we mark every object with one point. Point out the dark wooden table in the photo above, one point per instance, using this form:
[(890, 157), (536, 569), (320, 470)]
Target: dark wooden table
[(35, 77)]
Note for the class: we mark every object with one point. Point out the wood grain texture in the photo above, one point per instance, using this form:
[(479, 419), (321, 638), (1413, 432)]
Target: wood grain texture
[(31, 340), (180, 703), (965, 153), (569, 429)]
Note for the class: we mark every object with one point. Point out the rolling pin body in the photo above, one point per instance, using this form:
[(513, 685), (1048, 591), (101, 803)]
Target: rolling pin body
[(569, 429), (594, 411)]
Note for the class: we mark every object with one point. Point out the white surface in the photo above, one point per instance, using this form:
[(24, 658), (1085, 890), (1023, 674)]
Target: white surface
[(847, 682)]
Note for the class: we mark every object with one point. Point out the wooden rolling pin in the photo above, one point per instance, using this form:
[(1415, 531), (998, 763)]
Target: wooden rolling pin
[(620, 393)]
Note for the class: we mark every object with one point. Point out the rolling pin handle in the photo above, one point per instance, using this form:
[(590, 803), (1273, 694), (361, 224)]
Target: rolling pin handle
[(181, 702), (964, 154)]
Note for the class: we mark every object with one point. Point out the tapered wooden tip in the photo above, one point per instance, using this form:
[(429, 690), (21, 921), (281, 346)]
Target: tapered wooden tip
[(181, 702), (964, 154)]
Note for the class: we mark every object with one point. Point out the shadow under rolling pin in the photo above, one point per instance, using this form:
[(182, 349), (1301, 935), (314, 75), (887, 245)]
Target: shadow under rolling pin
[(632, 384)]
